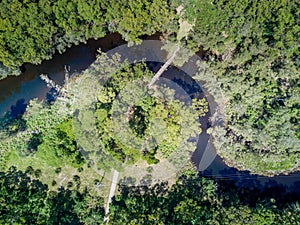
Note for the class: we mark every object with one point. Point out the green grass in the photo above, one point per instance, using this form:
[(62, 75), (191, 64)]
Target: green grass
[(48, 173)]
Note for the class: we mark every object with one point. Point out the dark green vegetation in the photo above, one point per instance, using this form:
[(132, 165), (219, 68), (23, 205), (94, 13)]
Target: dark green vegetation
[(149, 117), (252, 51), (253, 56), (41, 132), (25, 200), (44, 137), (31, 31), (40, 143), (194, 200)]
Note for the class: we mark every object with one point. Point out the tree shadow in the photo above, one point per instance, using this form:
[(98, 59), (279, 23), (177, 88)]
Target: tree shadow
[(28, 196), (52, 95), (127, 187), (252, 189), (12, 122), (17, 110), (35, 140)]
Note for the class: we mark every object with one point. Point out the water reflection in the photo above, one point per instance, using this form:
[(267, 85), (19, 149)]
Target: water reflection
[(287, 184), (15, 92), (28, 85)]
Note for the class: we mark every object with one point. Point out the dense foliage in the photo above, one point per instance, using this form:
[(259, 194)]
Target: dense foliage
[(25, 200), (166, 123), (44, 131), (195, 200), (252, 51), (31, 31)]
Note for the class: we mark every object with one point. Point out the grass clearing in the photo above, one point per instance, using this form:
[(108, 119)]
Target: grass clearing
[(96, 180)]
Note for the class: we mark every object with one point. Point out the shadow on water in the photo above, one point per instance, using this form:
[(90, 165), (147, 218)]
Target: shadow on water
[(18, 109), (277, 187), (280, 185), (29, 85), (12, 122), (193, 89), (15, 92), (51, 95)]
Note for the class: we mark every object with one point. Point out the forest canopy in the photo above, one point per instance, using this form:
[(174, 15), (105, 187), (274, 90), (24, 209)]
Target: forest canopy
[(251, 54), (251, 50), (43, 27)]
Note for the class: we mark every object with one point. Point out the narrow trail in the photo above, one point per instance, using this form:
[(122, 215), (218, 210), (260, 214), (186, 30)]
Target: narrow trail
[(111, 194), (164, 67)]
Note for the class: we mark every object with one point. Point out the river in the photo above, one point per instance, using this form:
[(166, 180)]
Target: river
[(15, 93)]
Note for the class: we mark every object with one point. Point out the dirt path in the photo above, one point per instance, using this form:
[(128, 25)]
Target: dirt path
[(111, 194)]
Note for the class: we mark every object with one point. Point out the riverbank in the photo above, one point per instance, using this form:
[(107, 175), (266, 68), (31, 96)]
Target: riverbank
[(28, 86)]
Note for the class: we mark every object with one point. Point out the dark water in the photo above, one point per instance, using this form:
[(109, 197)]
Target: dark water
[(278, 185), (15, 92), (29, 85)]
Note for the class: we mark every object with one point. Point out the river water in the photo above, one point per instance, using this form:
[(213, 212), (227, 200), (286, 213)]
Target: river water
[(15, 93)]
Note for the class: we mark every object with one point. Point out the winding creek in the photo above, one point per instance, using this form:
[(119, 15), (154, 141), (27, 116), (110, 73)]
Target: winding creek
[(15, 93)]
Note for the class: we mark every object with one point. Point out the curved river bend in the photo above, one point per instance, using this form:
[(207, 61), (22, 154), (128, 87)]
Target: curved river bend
[(15, 93)]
